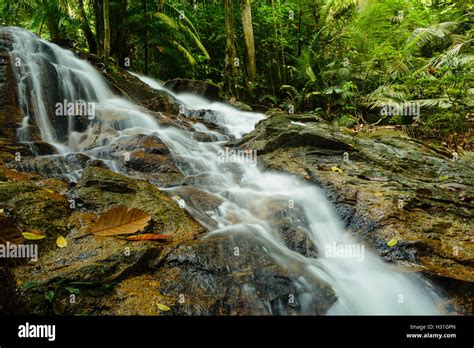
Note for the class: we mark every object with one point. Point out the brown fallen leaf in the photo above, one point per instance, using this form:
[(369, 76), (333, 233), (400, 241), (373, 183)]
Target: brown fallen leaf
[(120, 220), (149, 236)]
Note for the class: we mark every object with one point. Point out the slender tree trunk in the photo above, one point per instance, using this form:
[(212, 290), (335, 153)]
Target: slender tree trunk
[(230, 68), (106, 29), (86, 28), (99, 26), (282, 49), (249, 40), (145, 37), (275, 47), (300, 24)]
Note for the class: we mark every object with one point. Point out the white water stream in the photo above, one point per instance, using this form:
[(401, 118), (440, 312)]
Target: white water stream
[(363, 285)]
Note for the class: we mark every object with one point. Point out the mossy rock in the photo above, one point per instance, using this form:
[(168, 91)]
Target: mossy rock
[(100, 189), (36, 208)]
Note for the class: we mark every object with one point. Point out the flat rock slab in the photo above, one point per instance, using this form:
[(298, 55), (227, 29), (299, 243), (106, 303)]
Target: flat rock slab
[(391, 187)]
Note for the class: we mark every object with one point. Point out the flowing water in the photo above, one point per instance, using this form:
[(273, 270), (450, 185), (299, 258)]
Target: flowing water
[(363, 283)]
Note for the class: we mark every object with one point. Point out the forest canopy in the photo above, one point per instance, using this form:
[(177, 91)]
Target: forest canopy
[(351, 62)]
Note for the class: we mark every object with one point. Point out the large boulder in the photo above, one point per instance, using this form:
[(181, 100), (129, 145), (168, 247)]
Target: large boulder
[(389, 186), (131, 87), (90, 267), (51, 91), (10, 112), (208, 277), (190, 274)]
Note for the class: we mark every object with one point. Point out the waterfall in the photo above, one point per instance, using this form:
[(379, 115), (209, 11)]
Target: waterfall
[(363, 283), (34, 61)]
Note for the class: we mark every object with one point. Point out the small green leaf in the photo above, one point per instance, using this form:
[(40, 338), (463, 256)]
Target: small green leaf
[(28, 285), (71, 290), (310, 73), (443, 178), (49, 295), (392, 242)]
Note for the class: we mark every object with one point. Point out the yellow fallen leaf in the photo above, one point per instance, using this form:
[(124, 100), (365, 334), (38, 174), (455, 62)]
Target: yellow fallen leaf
[(162, 307), (61, 242), (33, 235), (337, 170), (392, 242), (1, 211), (49, 191)]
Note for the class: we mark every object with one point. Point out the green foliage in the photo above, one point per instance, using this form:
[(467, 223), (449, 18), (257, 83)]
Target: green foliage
[(344, 59)]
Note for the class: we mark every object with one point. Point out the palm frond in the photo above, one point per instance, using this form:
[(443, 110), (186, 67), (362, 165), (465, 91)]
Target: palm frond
[(189, 57), (423, 36)]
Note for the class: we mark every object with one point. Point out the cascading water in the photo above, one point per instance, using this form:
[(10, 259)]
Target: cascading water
[(363, 286), (34, 61)]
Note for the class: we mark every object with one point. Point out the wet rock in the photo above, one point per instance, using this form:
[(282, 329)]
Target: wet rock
[(97, 163), (204, 137), (241, 105), (91, 267), (88, 268), (37, 208), (42, 148), (12, 151), (131, 87), (10, 113), (190, 275), (163, 101), (100, 189), (78, 159), (207, 277), (55, 166), (201, 204), (144, 156), (390, 187), (204, 89)]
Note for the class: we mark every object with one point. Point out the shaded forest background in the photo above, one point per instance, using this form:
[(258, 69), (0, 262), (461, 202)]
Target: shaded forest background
[(343, 60)]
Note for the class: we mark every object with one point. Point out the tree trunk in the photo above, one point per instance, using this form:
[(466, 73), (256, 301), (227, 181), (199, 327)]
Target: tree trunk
[(106, 29), (145, 37), (53, 27), (86, 28), (230, 69), (249, 41), (277, 58), (99, 26)]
